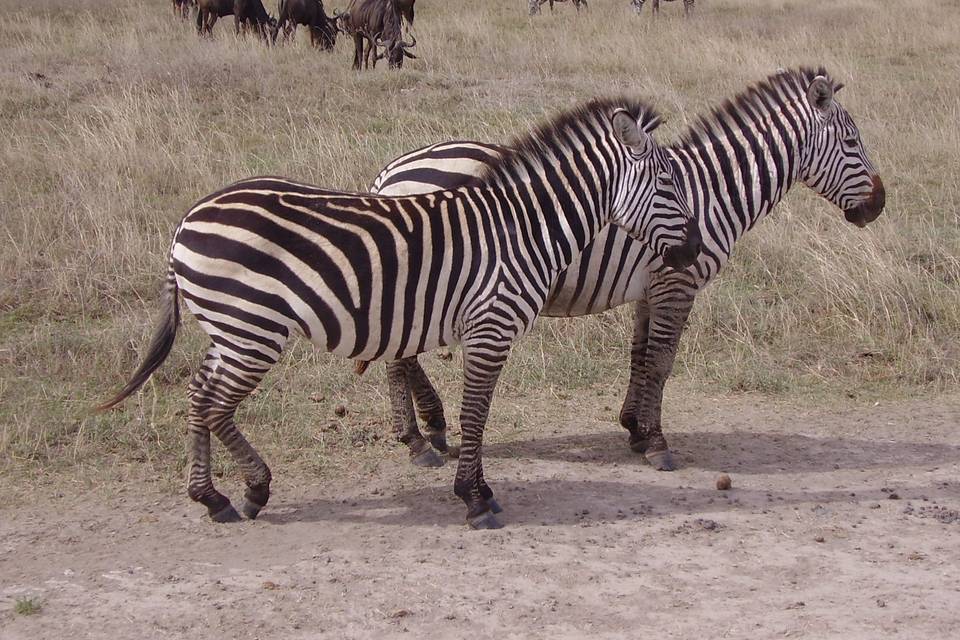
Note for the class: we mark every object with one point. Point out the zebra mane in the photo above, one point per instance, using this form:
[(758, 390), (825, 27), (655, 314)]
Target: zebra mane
[(529, 149), (765, 96)]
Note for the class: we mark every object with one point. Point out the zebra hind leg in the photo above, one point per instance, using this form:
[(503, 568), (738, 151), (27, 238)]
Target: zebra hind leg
[(404, 420), (212, 409), (199, 481), (429, 405), (481, 369)]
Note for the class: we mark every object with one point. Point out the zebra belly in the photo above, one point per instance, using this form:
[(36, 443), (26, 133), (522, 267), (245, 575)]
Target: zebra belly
[(612, 270)]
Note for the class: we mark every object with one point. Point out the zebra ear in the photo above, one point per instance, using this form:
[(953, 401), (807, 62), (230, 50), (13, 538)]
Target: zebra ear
[(820, 94), (630, 134)]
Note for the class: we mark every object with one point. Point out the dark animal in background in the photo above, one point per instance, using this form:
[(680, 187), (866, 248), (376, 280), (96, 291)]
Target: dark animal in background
[(246, 14), (576, 3), (375, 23), (638, 5), (536, 4), (181, 8), (406, 10), (395, 51), (323, 29)]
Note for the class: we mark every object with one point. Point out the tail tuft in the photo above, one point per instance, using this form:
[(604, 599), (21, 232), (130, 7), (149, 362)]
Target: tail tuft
[(160, 345)]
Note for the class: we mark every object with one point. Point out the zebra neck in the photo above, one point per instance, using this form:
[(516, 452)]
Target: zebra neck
[(743, 165), (559, 212)]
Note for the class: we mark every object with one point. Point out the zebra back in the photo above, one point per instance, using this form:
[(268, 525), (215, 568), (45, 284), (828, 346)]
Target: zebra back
[(435, 167)]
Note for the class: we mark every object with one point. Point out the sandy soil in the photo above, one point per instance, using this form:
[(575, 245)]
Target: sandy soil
[(842, 520)]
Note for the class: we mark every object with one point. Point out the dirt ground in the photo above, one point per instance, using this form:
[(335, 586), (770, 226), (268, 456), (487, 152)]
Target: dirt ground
[(842, 520)]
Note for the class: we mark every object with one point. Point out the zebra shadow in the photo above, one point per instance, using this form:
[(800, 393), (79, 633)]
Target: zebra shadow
[(739, 451), (572, 502)]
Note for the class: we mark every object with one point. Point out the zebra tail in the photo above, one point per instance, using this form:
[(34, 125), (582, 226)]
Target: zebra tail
[(160, 344)]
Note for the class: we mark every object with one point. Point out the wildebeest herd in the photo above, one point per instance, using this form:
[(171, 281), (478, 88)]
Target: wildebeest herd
[(376, 26), (469, 243)]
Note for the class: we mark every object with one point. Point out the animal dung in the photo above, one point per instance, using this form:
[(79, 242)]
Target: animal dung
[(724, 482), (340, 411)]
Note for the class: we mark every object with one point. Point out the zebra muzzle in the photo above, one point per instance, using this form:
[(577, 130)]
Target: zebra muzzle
[(683, 255), (868, 210)]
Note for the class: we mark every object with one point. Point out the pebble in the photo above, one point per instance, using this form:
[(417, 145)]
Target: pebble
[(724, 482)]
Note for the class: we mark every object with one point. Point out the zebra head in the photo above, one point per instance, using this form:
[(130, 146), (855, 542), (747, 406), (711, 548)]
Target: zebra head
[(838, 167), (649, 202)]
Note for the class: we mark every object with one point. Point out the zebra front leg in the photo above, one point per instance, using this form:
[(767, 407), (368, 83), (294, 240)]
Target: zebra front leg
[(481, 368), (638, 375), (404, 420), (429, 405), (667, 319)]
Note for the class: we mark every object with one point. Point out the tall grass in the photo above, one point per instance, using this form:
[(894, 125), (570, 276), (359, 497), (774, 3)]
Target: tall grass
[(115, 117)]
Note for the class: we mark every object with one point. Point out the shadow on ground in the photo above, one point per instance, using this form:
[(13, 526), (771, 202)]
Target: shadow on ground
[(552, 501), (740, 451)]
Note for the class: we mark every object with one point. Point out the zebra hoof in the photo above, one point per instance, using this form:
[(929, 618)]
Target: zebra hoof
[(485, 520), (439, 442), (453, 451), (251, 509), (427, 458), (225, 515), (661, 460), (494, 505), (638, 445)]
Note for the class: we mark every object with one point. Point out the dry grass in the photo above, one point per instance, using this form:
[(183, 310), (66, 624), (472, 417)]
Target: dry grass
[(115, 117)]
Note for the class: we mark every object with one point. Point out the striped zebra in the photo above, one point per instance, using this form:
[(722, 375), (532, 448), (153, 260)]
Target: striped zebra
[(638, 5), (381, 278), (736, 163)]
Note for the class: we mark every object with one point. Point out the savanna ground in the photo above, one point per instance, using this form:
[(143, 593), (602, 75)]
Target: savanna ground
[(820, 370)]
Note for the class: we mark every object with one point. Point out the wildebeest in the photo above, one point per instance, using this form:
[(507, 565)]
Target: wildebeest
[(246, 13), (181, 8), (323, 29), (374, 23), (395, 51), (638, 5), (406, 9), (535, 5), (576, 3)]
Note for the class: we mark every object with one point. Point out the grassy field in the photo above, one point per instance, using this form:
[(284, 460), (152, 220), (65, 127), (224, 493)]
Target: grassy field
[(115, 117)]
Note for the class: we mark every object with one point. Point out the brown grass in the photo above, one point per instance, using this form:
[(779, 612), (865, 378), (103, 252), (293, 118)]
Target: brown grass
[(115, 117)]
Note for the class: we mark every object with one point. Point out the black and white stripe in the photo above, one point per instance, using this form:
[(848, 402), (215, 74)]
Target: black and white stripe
[(736, 164), (380, 278), (444, 165)]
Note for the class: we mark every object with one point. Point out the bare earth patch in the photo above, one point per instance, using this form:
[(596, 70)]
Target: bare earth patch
[(834, 525)]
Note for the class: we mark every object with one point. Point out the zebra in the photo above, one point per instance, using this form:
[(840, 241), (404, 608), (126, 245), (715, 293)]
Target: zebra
[(379, 278), (737, 163), (638, 5)]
